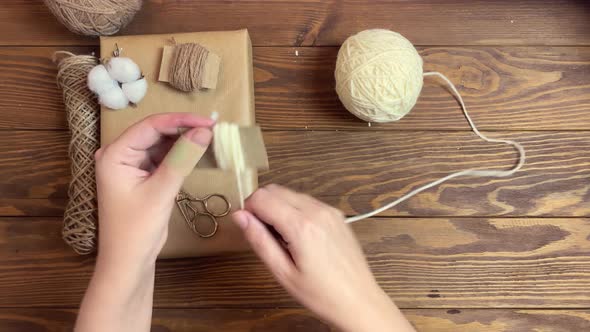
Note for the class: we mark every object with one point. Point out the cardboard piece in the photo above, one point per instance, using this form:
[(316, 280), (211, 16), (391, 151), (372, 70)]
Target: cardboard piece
[(254, 149), (210, 70), (233, 99)]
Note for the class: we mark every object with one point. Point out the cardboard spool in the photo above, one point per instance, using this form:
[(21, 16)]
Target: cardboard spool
[(210, 69)]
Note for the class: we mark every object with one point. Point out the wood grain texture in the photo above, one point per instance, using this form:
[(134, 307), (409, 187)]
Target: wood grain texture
[(33, 164), (454, 320), (317, 22), (295, 320), (357, 171), (505, 88), (18, 207), (419, 262), (29, 96), (446, 257)]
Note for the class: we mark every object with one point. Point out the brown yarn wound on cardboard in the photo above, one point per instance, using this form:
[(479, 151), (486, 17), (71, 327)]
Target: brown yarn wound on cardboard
[(189, 66)]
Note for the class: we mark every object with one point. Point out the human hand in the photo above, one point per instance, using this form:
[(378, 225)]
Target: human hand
[(138, 177), (318, 260)]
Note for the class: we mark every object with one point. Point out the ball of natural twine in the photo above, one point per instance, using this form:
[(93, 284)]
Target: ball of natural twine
[(378, 75), (94, 17)]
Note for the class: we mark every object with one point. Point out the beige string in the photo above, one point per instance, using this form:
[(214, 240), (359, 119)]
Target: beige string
[(82, 111), (187, 66), (229, 154), (468, 172)]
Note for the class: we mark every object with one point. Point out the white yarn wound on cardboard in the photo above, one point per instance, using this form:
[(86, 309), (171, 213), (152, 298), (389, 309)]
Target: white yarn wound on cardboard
[(229, 153)]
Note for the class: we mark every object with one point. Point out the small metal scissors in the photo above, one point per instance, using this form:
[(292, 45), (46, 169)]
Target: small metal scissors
[(192, 215)]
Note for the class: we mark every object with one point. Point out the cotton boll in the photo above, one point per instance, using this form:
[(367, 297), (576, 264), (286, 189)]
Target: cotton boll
[(99, 80), (99, 74), (135, 91), (123, 70), (101, 87), (113, 98)]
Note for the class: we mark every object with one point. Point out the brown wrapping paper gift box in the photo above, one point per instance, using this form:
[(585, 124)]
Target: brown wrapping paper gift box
[(233, 99)]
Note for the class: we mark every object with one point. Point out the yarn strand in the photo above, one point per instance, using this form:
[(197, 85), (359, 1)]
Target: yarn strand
[(468, 172), (229, 153)]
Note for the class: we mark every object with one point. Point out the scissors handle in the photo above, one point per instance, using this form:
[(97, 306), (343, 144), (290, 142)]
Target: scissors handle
[(225, 212), (193, 216), (202, 217)]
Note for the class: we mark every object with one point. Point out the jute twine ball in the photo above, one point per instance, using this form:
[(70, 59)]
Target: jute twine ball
[(94, 17), (82, 112), (378, 75)]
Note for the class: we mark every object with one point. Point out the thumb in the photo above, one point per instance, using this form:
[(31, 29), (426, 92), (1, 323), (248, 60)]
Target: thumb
[(181, 160), (265, 245)]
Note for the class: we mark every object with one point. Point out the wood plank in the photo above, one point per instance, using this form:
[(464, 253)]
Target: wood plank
[(499, 320), (33, 164), (505, 88), (29, 96), (180, 320), (441, 263), (317, 22), (357, 171), (18, 207)]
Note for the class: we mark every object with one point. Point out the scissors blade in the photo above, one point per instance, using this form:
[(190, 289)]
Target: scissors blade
[(182, 206)]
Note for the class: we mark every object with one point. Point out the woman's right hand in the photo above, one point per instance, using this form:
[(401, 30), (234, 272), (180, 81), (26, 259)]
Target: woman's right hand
[(317, 259)]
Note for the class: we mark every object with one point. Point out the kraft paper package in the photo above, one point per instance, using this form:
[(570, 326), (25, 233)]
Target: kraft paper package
[(232, 98)]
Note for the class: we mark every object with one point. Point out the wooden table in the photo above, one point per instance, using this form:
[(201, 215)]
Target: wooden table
[(506, 254)]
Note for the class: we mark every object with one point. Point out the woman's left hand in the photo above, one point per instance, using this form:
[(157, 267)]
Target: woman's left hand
[(138, 177)]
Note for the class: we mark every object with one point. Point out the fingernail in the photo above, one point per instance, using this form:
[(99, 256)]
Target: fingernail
[(201, 136), (241, 219)]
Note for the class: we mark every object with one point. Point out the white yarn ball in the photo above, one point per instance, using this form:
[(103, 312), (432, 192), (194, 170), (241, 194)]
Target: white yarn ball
[(378, 75), (135, 91), (113, 98), (123, 69), (99, 80)]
